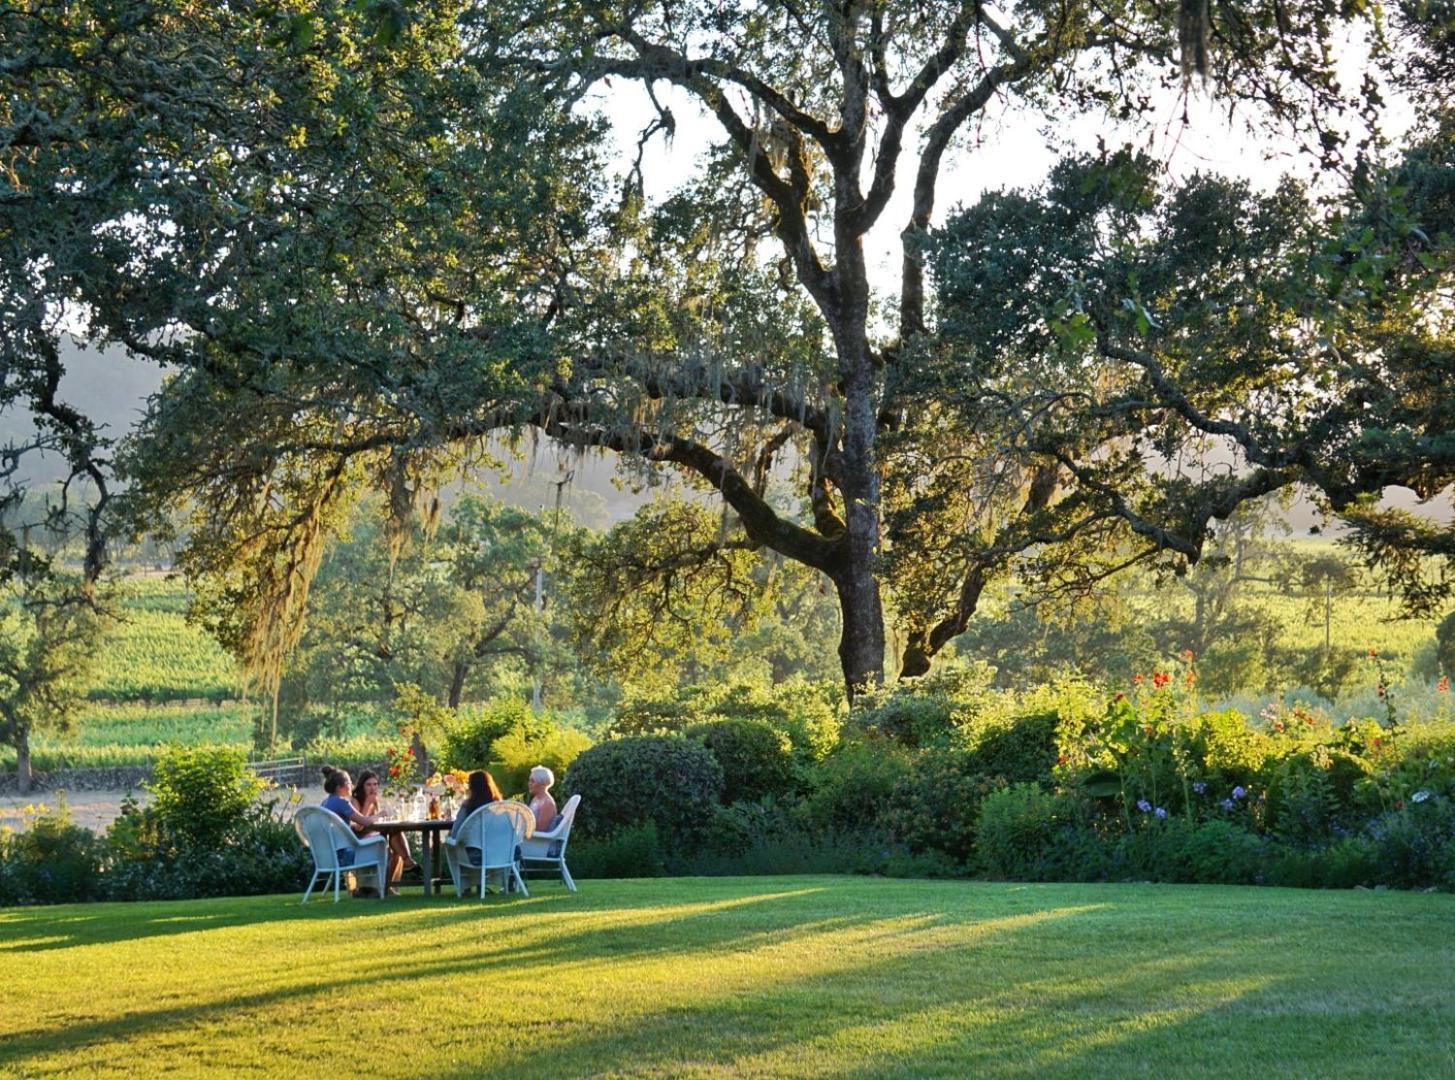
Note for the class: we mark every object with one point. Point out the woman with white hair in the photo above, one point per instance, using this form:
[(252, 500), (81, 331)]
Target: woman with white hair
[(541, 803)]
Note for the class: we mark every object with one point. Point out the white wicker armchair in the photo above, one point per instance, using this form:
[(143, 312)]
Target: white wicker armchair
[(337, 850)]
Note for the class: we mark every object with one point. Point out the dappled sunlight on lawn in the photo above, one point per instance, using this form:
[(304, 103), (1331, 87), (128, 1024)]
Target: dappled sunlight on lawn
[(769, 976)]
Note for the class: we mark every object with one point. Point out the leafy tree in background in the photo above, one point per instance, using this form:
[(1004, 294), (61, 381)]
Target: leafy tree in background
[(49, 631), (390, 257)]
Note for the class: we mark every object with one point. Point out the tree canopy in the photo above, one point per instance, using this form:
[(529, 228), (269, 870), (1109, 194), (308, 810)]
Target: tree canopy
[(366, 236)]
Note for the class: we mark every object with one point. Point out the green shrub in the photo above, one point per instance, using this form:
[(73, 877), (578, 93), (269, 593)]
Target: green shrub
[(1414, 846), (1021, 747), (54, 861), (939, 710), (756, 760), (260, 855), (633, 851), (1222, 853), (1015, 830), (936, 806), (653, 716), (1345, 864), (201, 795), (1303, 804), (806, 713), (519, 751), (671, 781), (469, 738), (849, 787), (764, 838)]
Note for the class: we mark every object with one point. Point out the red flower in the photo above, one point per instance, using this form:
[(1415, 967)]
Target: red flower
[(1443, 686), (1187, 655), (1121, 697), (1137, 680), (1278, 725), (1373, 652), (409, 751), (1161, 679), (393, 770), (1061, 760)]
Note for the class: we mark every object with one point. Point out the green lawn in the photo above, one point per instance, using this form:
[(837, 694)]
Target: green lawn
[(801, 976)]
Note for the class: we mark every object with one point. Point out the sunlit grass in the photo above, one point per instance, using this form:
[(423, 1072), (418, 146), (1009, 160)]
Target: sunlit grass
[(747, 977)]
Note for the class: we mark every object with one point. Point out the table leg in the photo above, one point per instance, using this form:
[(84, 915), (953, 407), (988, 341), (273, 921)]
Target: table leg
[(429, 836)]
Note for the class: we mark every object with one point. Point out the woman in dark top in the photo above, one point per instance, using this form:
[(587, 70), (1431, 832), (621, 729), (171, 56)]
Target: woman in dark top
[(482, 790)]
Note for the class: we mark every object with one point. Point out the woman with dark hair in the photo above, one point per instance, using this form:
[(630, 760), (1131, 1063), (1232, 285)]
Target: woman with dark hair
[(366, 802), (481, 789), (337, 785)]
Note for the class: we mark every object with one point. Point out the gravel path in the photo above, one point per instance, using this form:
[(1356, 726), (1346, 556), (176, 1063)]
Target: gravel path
[(93, 809)]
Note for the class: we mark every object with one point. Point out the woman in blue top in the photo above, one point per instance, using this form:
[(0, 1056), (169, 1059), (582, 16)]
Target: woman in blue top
[(337, 785)]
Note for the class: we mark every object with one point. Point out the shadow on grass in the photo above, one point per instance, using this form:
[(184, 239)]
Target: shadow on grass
[(879, 990)]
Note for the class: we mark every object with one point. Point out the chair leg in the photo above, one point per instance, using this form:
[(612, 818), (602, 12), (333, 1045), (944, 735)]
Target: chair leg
[(566, 877), (520, 880), (312, 884), (337, 874)]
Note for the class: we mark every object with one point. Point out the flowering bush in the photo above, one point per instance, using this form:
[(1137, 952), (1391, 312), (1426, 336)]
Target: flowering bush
[(401, 771)]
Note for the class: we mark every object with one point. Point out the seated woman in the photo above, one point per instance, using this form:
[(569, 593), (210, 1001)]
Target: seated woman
[(542, 805), (481, 789), (366, 802), (336, 786)]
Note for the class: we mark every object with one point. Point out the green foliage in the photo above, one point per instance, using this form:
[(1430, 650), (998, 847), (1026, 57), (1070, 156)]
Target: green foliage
[(1022, 747), (1414, 847), (260, 855), (469, 738), (1445, 644), (202, 797), (1179, 850), (771, 838), (670, 781), (632, 851), (933, 711), (756, 760), (850, 787), (936, 805), (1014, 829), (526, 746), (52, 861)]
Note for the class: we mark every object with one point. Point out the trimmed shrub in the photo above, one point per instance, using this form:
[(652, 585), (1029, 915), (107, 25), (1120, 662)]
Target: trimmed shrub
[(936, 806), (756, 760), (670, 781)]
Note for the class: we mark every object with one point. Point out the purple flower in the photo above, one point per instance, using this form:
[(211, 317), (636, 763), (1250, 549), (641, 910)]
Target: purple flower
[(1161, 811), (1227, 804), (1239, 792), (1143, 805), (1199, 787)]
